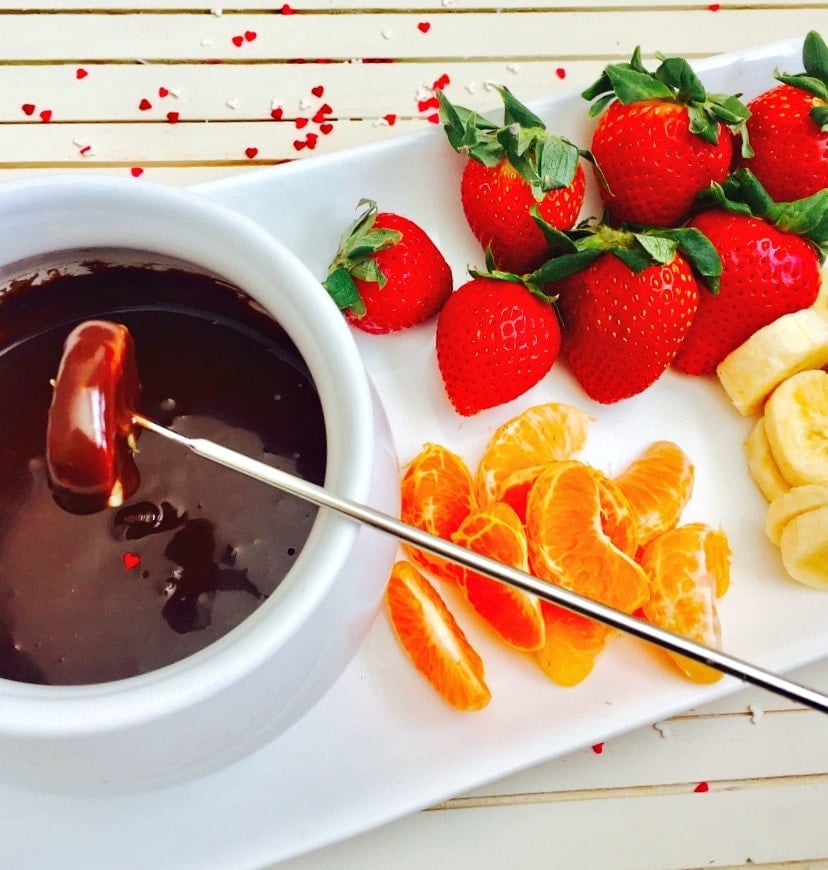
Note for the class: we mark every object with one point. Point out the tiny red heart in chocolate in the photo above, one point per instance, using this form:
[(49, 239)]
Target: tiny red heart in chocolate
[(424, 26), (300, 122), (131, 560), (326, 128), (163, 92), (299, 144), (28, 108), (46, 116), (81, 73), (251, 152), (311, 140), (136, 171), (172, 117), (560, 72), (277, 114), (250, 35), (702, 787), (144, 104), (286, 10), (391, 118), (317, 91), (237, 41)]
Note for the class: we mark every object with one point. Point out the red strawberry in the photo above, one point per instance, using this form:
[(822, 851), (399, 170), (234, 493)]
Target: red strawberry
[(626, 302), (497, 336), (770, 267), (662, 140), (387, 274), (512, 168), (788, 129)]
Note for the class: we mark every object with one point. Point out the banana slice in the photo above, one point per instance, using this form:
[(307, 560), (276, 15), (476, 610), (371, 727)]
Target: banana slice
[(804, 546), (792, 343), (796, 501), (796, 422), (761, 464), (822, 297)]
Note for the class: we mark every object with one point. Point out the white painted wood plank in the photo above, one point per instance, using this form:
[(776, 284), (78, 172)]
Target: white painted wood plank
[(148, 36), (243, 92)]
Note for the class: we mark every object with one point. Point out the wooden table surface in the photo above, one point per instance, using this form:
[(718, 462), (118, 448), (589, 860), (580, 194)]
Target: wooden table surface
[(182, 92)]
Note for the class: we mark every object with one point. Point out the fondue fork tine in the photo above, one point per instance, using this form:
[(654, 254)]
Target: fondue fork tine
[(321, 497)]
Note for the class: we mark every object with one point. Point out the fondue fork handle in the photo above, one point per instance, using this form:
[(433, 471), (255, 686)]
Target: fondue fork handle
[(580, 604)]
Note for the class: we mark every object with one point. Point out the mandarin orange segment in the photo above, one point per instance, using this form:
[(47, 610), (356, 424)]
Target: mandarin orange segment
[(436, 495), (541, 434), (514, 489), (573, 643), (657, 484), (496, 531), (432, 639), (567, 542), (689, 567), (617, 517)]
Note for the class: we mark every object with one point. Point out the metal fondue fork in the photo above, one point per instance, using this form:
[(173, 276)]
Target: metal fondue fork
[(580, 604)]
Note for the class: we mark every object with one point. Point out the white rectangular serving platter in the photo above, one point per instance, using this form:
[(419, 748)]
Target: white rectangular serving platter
[(382, 744)]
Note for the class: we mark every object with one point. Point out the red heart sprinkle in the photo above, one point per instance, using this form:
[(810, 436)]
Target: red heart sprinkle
[(299, 144), (702, 787), (250, 153), (317, 91), (46, 116), (237, 41), (28, 108), (321, 112), (429, 103), (433, 119), (311, 140), (326, 128), (144, 104), (715, 7), (441, 83), (424, 27), (172, 117), (136, 171), (300, 122), (86, 149), (81, 73), (163, 92), (560, 72), (598, 748), (391, 118), (286, 10), (277, 114), (250, 35), (131, 560)]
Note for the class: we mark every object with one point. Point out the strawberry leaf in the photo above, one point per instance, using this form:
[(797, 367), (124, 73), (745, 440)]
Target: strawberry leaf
[(343, 291), (354, 258), (699, 251), (546, 162), (815, 78)]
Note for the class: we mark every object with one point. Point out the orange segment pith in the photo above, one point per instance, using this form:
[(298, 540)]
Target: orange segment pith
[(658, 484), (433, 640), (436, 495), (572, 645), (568, 545), (541, 434), (688, 567), (496, 531)]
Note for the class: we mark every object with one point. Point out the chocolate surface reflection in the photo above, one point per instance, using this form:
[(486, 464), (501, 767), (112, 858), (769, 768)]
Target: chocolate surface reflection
[(90, 598)]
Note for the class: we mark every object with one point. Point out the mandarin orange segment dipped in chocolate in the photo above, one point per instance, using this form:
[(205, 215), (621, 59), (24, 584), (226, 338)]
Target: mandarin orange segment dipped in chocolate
[(90, 433)]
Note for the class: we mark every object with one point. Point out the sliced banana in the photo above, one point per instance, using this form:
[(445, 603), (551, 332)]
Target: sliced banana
[(796, 422), (822, 297), (761, 464), (804, 547), (792, 343), (791, 504)]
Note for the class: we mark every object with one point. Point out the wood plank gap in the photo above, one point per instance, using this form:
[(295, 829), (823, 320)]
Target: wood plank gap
[(632, 791)]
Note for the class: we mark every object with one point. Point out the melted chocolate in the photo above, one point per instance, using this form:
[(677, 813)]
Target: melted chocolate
[(97, 597)]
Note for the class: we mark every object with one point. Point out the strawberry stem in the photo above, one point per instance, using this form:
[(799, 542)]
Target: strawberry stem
[(815, 78)]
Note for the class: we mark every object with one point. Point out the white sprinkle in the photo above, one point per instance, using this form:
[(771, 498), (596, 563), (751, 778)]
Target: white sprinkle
[(233, 104), (304, 104), (424, 94), (217, 12), (277, 104), (206, 42), (756, 713), (513, 68), (471, 87), (176, 92), (79, 143), (490, 86), (387, 34), (380, 122), (663, 729)]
